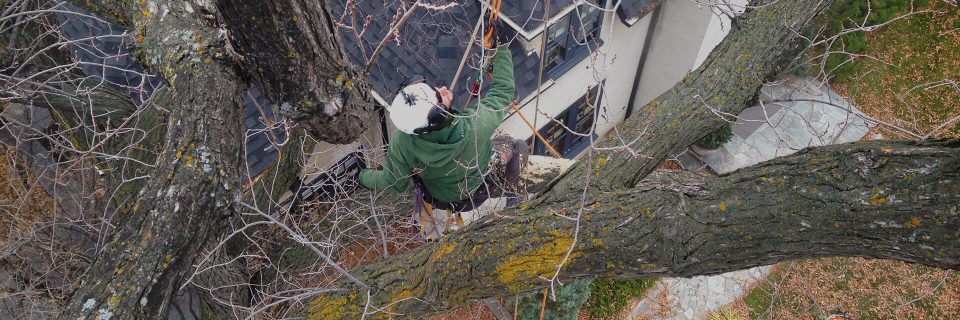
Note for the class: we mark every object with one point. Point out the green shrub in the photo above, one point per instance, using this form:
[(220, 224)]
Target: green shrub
[(570, 298), (844, 14), (609, 297), (717, 138)]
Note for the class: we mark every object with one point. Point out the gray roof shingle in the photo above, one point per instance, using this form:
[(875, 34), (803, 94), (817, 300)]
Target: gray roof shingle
[(431, 44)]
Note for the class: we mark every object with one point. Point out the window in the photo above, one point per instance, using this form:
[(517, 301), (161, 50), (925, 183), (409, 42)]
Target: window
[(591, 19), (557, 43), (569, 38), (579, 118)]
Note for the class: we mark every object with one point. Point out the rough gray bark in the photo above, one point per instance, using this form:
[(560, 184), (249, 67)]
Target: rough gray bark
[(880, 205), (880, 199), (195, 179), (194, 182), (291, 48), (198, 171)]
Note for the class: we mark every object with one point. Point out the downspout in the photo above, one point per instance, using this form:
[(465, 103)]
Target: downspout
[(647, 43)]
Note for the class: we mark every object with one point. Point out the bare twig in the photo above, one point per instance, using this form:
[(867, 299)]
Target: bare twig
[(390, 35)]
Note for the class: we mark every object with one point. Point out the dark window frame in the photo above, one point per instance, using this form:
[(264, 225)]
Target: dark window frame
[(569, 145), (575, 43)]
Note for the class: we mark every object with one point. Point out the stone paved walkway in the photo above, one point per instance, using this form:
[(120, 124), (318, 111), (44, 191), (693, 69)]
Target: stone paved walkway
[(761, 133), (694, 298)]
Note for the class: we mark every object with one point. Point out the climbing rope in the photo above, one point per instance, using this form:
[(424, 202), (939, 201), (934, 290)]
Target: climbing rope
[(488, 39)]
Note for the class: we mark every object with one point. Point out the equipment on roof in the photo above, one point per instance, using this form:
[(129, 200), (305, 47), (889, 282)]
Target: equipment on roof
[(417, 108)]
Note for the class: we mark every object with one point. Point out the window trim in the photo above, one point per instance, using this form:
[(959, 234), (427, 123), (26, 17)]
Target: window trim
[(574, 52), (572, 145)]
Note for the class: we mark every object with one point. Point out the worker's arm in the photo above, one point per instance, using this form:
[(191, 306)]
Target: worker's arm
[(502, 88), (395, 174)]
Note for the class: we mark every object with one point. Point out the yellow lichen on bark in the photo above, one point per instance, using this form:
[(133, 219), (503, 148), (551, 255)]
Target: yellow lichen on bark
[(443, 250), (541, 261), (877, 199), (333, 306)]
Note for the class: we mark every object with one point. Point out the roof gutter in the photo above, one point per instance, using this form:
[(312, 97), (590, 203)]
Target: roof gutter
[(647, 43)]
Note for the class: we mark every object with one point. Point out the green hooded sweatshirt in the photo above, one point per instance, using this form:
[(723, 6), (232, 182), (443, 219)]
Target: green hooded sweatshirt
[(451, 161)]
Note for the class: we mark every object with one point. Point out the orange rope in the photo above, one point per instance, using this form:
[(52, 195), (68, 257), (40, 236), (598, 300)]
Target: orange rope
[(545, 143), (544, 305), (488, 41)]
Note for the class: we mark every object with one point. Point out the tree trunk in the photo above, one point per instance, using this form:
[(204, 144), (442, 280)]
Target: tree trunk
[(198, 174), (881, 199), (136, 273), (291, 48), (195, 179)]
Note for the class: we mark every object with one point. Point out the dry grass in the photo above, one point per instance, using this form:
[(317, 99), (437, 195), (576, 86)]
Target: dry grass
[(860, 288), (908, 83), (22, 202)]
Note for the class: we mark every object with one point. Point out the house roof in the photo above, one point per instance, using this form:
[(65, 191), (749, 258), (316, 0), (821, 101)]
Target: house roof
[(527, 15), (104, 50), (432, 42)]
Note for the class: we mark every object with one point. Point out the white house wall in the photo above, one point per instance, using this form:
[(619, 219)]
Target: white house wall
[(685, 35), (719, 26), (675, 46), (615, 61)]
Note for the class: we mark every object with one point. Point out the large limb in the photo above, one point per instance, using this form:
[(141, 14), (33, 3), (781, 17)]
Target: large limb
[(727, 82), (194, 181), (881, 199)]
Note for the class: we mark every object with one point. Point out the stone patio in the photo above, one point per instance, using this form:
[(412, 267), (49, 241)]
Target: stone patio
[(797, 114), (811, 115)]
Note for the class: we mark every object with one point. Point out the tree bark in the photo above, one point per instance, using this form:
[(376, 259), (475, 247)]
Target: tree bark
[(880, 199), (195, 179), (728, 82), (291, 48), (198, 173)]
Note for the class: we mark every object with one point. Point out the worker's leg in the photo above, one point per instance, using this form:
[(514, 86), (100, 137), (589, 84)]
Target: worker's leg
[(514, 167)]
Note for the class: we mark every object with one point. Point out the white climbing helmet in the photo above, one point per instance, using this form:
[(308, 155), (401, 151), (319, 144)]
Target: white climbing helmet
[(417, 109)]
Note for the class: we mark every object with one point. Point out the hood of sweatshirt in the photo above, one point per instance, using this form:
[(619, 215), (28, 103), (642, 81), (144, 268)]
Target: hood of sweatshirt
[(434, 149)]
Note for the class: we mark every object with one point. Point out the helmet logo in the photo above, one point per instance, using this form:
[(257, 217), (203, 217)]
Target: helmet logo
[(409, 99)]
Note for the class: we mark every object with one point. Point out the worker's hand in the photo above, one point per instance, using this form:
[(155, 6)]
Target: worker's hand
[(351, 182), (497, 34)]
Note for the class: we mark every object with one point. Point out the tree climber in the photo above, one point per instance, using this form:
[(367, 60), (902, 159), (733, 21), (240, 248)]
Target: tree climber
[(447, 152)]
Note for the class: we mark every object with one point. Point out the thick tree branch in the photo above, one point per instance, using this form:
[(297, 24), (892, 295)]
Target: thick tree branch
[(880, 199), (728, 81)]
